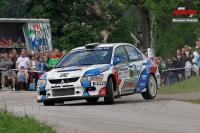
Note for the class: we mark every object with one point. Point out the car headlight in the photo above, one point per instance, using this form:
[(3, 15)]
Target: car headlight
[(93, 78), (41, 82)]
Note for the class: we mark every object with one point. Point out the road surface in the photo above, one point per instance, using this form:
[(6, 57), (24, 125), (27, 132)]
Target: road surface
[(130, 114)]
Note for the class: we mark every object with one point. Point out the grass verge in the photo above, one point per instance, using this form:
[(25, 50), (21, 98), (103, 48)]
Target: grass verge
[(193, 101), (186, 86), (10, 123)]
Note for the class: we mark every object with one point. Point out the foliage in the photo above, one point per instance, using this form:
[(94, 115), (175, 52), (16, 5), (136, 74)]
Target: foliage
[(12, 8), (10, 123), (74, 23), (120, 35), (197, 101), (186, 86)]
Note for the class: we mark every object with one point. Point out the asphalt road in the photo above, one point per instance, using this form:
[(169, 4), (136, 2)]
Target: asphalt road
[(130, 114)]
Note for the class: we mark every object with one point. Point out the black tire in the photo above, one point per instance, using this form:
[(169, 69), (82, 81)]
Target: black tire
[(151, 87), (109, 99), (92, 100), (60, 102), (50, 103)]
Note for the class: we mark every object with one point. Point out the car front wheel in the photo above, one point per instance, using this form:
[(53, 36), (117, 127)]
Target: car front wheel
[(151, 87), (109, 99)]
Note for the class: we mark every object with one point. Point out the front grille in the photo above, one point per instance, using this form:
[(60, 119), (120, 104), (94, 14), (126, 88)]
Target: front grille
[(63, 92), (60, 81), (55, 81), (70, 80)]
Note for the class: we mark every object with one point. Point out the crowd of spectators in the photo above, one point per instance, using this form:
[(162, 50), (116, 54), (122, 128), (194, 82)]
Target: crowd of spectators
[(16, 63), (184, 64)]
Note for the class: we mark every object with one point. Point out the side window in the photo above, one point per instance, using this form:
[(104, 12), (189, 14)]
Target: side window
[(121, 53), (132, 53)]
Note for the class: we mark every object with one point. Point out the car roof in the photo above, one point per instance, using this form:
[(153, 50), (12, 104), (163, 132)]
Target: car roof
[(105, 45)]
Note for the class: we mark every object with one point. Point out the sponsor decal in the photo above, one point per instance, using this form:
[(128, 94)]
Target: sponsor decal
[(129, 84), (144, 77), (63, 74), (123, 67), (102, 91), (142, 84), (115, 70), (99, 83), (127, 91), (158, 76), (125, 72), (185, 8)]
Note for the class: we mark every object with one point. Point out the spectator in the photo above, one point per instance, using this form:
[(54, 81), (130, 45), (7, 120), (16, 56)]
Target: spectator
[(190, 49), (5, 61), (14, 52), (178, 63), (46, 60), (22, 61), (183, 50), (9, 79), (13, 60), (42, 66), (197, 43), (53, 60), (23, 50), (168, 74), (4, 42), (22, 79), (146, 54), (188, 63), (57, 52), (33, 66), (19, 43), (64, 52), (196, 54), (29, 54), (47, 57), (36, 54), (11, 43)]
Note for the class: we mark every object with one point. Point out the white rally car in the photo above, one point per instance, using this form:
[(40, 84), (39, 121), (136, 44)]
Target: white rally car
[(99, 70)]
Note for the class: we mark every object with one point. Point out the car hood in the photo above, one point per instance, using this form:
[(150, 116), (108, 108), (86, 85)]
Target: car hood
[(77, 71)]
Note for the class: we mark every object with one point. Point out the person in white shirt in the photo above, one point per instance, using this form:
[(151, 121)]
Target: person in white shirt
[(22, 61), (188, 63)]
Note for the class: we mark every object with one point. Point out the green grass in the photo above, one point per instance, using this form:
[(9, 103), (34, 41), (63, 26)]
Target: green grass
[(193, 101), (10, 123), (186, 86)]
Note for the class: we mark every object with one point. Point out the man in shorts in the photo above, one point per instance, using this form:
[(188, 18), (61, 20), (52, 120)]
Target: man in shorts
[(188, 63), (9, 79)]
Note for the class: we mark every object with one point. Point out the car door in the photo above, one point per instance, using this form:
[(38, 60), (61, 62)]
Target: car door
[(134, 66), (122, 66)]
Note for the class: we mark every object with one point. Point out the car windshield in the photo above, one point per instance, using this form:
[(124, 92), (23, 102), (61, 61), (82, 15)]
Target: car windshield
[(100, 55)]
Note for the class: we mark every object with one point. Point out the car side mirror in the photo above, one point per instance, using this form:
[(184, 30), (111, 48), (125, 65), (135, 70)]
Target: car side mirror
[(116, 60), (150, 53)]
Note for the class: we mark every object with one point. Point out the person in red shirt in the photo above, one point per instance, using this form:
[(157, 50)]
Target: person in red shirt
[(57, 52), (4, 42)]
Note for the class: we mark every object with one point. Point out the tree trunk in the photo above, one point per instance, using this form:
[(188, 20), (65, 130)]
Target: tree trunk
[(145, 25)]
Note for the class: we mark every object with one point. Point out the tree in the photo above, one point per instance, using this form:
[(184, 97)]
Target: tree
[(120, 35), (74, 23), (12, 8)]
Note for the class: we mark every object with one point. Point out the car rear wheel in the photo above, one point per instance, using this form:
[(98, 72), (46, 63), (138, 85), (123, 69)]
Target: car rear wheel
[(92, 100), (109, 99), (49, 103), (151, 91)]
